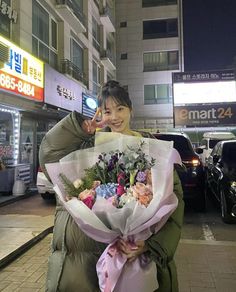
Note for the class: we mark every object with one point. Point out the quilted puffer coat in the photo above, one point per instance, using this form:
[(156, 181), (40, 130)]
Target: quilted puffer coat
[(72, 263)]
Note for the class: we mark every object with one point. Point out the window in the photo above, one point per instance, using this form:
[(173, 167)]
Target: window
[(165, 28), (77, 55), (44, 39), (96, 34), (96, 78), (160, 61), (124, 56), (5, 22), (158, 94), (123, 24), (152, 3)]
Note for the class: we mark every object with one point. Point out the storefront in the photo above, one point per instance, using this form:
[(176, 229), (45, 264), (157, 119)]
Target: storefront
[(33, 98), (23, 119)]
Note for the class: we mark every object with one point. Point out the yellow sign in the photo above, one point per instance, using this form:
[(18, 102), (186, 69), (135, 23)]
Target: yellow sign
[(23, 72)]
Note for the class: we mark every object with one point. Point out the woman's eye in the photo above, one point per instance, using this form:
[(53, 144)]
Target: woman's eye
[(120, 108)]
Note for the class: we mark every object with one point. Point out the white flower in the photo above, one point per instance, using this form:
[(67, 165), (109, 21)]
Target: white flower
[(77, 183)]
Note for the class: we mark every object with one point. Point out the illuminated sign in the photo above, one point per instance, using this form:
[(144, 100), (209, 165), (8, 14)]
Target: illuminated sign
[(204, 98), (61, 91), (21, 73), (91, 103), (205, 115)]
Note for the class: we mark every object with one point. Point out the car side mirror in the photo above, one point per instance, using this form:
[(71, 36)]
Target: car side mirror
[(199, 150)]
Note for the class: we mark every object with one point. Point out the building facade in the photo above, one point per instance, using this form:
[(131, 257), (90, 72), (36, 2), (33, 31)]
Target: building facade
[(149, 48), (73, 43)]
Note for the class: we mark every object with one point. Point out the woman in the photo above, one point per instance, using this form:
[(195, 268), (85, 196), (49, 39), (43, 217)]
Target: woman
[(72, 264)]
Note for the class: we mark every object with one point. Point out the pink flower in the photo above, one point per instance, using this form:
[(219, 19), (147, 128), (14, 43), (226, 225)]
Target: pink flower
[(143, 193), (86, 193), (89, 201)]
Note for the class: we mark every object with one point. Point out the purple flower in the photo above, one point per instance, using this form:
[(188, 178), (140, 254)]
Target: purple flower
[(141, 176)]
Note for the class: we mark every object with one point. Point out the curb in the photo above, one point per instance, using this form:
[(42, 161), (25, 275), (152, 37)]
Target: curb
[(20, 250), (13, 199)]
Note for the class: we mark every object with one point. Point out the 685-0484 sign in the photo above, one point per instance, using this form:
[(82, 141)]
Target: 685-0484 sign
[(19, 86), (205, 115)]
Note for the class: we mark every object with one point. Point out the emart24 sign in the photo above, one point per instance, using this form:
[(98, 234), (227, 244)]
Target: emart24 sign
[(205, 115)]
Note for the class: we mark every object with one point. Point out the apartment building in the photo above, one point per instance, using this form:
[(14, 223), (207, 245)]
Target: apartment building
[(149, 48), (54, 56)]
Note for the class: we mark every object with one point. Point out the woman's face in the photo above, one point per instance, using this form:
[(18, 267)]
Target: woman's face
[(116, 116)]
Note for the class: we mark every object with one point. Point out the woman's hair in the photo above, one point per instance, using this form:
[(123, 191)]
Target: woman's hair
[(114, 90)]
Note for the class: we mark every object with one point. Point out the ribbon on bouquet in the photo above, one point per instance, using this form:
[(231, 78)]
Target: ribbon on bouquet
[(116, 274)]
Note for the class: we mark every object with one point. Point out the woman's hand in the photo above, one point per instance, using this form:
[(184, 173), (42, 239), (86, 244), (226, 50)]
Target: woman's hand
[(89, 126), (132, 251)]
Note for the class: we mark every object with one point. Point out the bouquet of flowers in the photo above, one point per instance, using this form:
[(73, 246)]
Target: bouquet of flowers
[(112, 194)]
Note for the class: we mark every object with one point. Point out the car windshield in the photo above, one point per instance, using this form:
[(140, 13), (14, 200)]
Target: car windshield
[(180, 143), (228, 153), (212, 143)]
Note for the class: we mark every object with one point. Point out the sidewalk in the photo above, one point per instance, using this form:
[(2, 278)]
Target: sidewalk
[(19, 232)]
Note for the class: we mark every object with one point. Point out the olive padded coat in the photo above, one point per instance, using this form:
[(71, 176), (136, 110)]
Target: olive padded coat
[(72, 263)]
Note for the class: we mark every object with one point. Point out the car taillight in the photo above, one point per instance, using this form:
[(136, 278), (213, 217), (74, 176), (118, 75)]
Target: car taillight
[(193, 162)]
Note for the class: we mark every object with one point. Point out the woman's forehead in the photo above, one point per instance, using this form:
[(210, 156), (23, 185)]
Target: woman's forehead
[(111, 102)]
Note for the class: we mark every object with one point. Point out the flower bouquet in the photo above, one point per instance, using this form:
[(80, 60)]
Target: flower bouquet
[(112, 194)]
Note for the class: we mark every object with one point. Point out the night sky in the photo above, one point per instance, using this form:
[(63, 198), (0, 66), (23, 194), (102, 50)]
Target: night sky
[(209, 34)]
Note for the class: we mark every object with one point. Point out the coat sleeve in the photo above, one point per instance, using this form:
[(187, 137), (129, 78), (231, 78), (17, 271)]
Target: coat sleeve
[(65, 137), (162, 245)]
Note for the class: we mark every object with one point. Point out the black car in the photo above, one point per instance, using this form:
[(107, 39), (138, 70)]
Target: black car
[(221, 178), (192, 178)]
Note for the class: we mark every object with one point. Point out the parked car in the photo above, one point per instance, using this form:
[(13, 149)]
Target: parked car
[(44, 186), (209, 140), (192, 178), (221, 178)]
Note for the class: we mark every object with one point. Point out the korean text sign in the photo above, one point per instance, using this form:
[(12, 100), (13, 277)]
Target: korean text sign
[(20, 72)]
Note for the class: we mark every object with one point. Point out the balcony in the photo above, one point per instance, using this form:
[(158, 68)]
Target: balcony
[(69, 68), (70, 11), (107, 18), (108, 59)]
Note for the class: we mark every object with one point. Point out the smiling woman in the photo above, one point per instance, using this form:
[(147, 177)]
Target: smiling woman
[(72, 264)]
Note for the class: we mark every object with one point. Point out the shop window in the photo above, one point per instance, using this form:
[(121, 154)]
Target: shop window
[(157, 94), (160, 61), (164, 28), (6, 138), (44, 38)]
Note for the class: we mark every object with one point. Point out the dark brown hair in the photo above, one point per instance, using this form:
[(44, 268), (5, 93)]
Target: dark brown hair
[(114, 90)]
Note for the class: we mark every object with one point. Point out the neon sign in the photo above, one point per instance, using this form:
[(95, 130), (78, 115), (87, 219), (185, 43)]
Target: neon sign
[(22, 73)]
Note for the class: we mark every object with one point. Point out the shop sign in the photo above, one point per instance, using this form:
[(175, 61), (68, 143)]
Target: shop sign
[(216, 75), (61, 91), (89, 105), (21, 73), (6, 9), (205, 115)]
